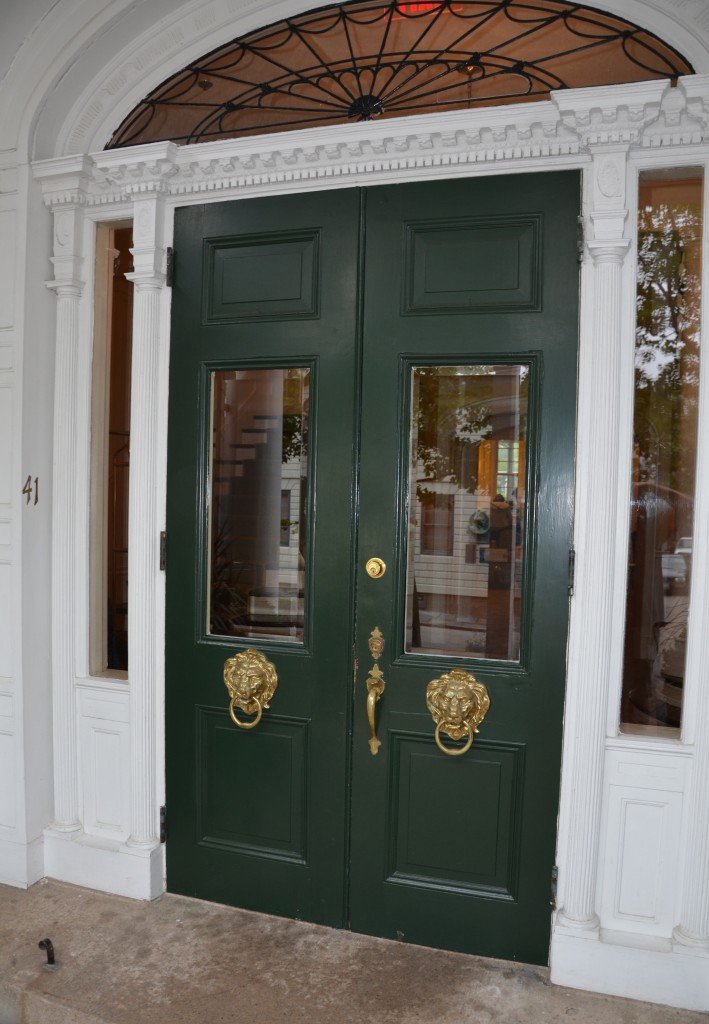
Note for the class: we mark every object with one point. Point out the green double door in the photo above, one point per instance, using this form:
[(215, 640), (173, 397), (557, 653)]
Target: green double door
[(388, 374)]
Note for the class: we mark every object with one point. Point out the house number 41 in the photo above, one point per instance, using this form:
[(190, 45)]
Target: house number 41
[(31, 488)]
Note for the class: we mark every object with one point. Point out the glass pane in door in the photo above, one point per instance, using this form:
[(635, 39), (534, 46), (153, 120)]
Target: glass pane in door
[(258, 501), (466, 515)]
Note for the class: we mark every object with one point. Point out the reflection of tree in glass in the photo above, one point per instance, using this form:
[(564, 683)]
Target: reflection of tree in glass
[(667, 343), (295, 438), (229, 612)]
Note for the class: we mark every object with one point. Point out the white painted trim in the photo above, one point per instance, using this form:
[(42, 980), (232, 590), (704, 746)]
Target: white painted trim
[(616, 963), (21, 864), (103, 864), (598, 130)]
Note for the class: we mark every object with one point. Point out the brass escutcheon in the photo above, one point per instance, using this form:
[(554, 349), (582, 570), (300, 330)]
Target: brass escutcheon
[(458, 703), (375, 568), (376, 643), (251, 681)]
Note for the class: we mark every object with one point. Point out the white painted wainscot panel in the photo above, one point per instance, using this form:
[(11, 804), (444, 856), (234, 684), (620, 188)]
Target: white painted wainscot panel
[(640, 845), (104, 760)]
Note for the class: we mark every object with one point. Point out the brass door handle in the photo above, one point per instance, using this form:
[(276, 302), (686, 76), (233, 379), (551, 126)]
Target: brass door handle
[(251, 681), (375, 687), (458, 703)]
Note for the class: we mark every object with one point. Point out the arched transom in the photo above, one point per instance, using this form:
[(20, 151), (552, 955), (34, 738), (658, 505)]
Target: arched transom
[(368, 59)]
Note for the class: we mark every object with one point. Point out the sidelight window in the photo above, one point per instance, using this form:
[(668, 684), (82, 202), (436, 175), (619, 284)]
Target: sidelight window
[(113, 316), (664, 448)]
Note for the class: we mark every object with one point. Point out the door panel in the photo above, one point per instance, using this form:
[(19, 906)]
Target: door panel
[(262, 403), (395, 365), (457, 851)]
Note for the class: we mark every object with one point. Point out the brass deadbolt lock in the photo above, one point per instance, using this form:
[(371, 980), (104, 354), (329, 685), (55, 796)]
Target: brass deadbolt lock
[(375, 568)]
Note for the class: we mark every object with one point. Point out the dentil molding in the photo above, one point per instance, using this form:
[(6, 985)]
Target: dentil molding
[(573, 124)]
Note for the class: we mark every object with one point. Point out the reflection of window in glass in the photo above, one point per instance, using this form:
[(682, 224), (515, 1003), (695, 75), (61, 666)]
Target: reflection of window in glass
[(466, 501), (507, 467), (113, 318), (259, 463), (664, 452), (437, 513)]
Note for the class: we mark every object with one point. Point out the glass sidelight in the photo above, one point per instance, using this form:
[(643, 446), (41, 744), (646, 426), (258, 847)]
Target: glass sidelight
[(466, 522), (667, 356), (258, 501)]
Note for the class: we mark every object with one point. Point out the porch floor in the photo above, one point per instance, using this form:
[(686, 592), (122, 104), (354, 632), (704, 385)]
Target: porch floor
[(177, 960)]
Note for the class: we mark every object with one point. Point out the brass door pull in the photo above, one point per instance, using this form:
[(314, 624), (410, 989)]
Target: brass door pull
[(458, 703), (251, 681), (375, 687)]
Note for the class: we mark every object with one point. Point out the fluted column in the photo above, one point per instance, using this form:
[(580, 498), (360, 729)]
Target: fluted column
[(66, 798), (143, 518), (593, 616), (594, 606), (67, 205)]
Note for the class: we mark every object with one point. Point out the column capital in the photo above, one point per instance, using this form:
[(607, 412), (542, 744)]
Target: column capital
[(65, 186), (608, 251), (65, 181), (149, 281)]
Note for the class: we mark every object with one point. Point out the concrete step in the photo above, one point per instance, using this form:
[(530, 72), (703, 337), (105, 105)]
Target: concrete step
[(183, 961)]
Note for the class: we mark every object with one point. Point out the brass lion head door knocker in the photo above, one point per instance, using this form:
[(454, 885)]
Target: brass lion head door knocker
[(251, 681), (458, 703)]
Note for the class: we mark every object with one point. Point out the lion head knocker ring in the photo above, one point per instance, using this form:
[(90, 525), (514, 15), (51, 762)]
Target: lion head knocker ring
[(458, 704), (251, 681)]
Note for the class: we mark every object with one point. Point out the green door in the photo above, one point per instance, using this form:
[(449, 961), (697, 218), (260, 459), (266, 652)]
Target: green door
[(390, 374)]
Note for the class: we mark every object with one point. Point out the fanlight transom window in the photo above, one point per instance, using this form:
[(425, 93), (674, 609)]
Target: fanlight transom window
[(362, 60)]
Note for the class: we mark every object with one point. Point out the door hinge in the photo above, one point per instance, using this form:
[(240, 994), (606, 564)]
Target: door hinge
[(163, 551), (572, 570), (554, 884), (580, 239), (163, 823), (169, 266)]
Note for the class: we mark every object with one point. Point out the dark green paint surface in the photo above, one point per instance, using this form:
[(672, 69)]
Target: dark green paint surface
[(257, 819), (297, 818)]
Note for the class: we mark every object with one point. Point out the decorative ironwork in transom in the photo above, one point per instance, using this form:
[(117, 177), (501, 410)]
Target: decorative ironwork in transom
[(362, 59)]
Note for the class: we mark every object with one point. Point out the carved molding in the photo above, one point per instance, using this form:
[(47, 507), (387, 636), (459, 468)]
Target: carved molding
[(571, 125)]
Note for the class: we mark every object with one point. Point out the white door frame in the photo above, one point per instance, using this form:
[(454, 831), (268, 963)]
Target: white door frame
[(660, 952)]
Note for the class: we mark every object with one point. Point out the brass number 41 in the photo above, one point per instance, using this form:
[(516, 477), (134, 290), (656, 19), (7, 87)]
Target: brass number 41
[(31, 488)]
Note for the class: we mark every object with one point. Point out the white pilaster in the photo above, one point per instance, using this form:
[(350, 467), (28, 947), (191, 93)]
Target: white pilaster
[(144, 515), (597, 532), (693, 927), (65, 190)]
